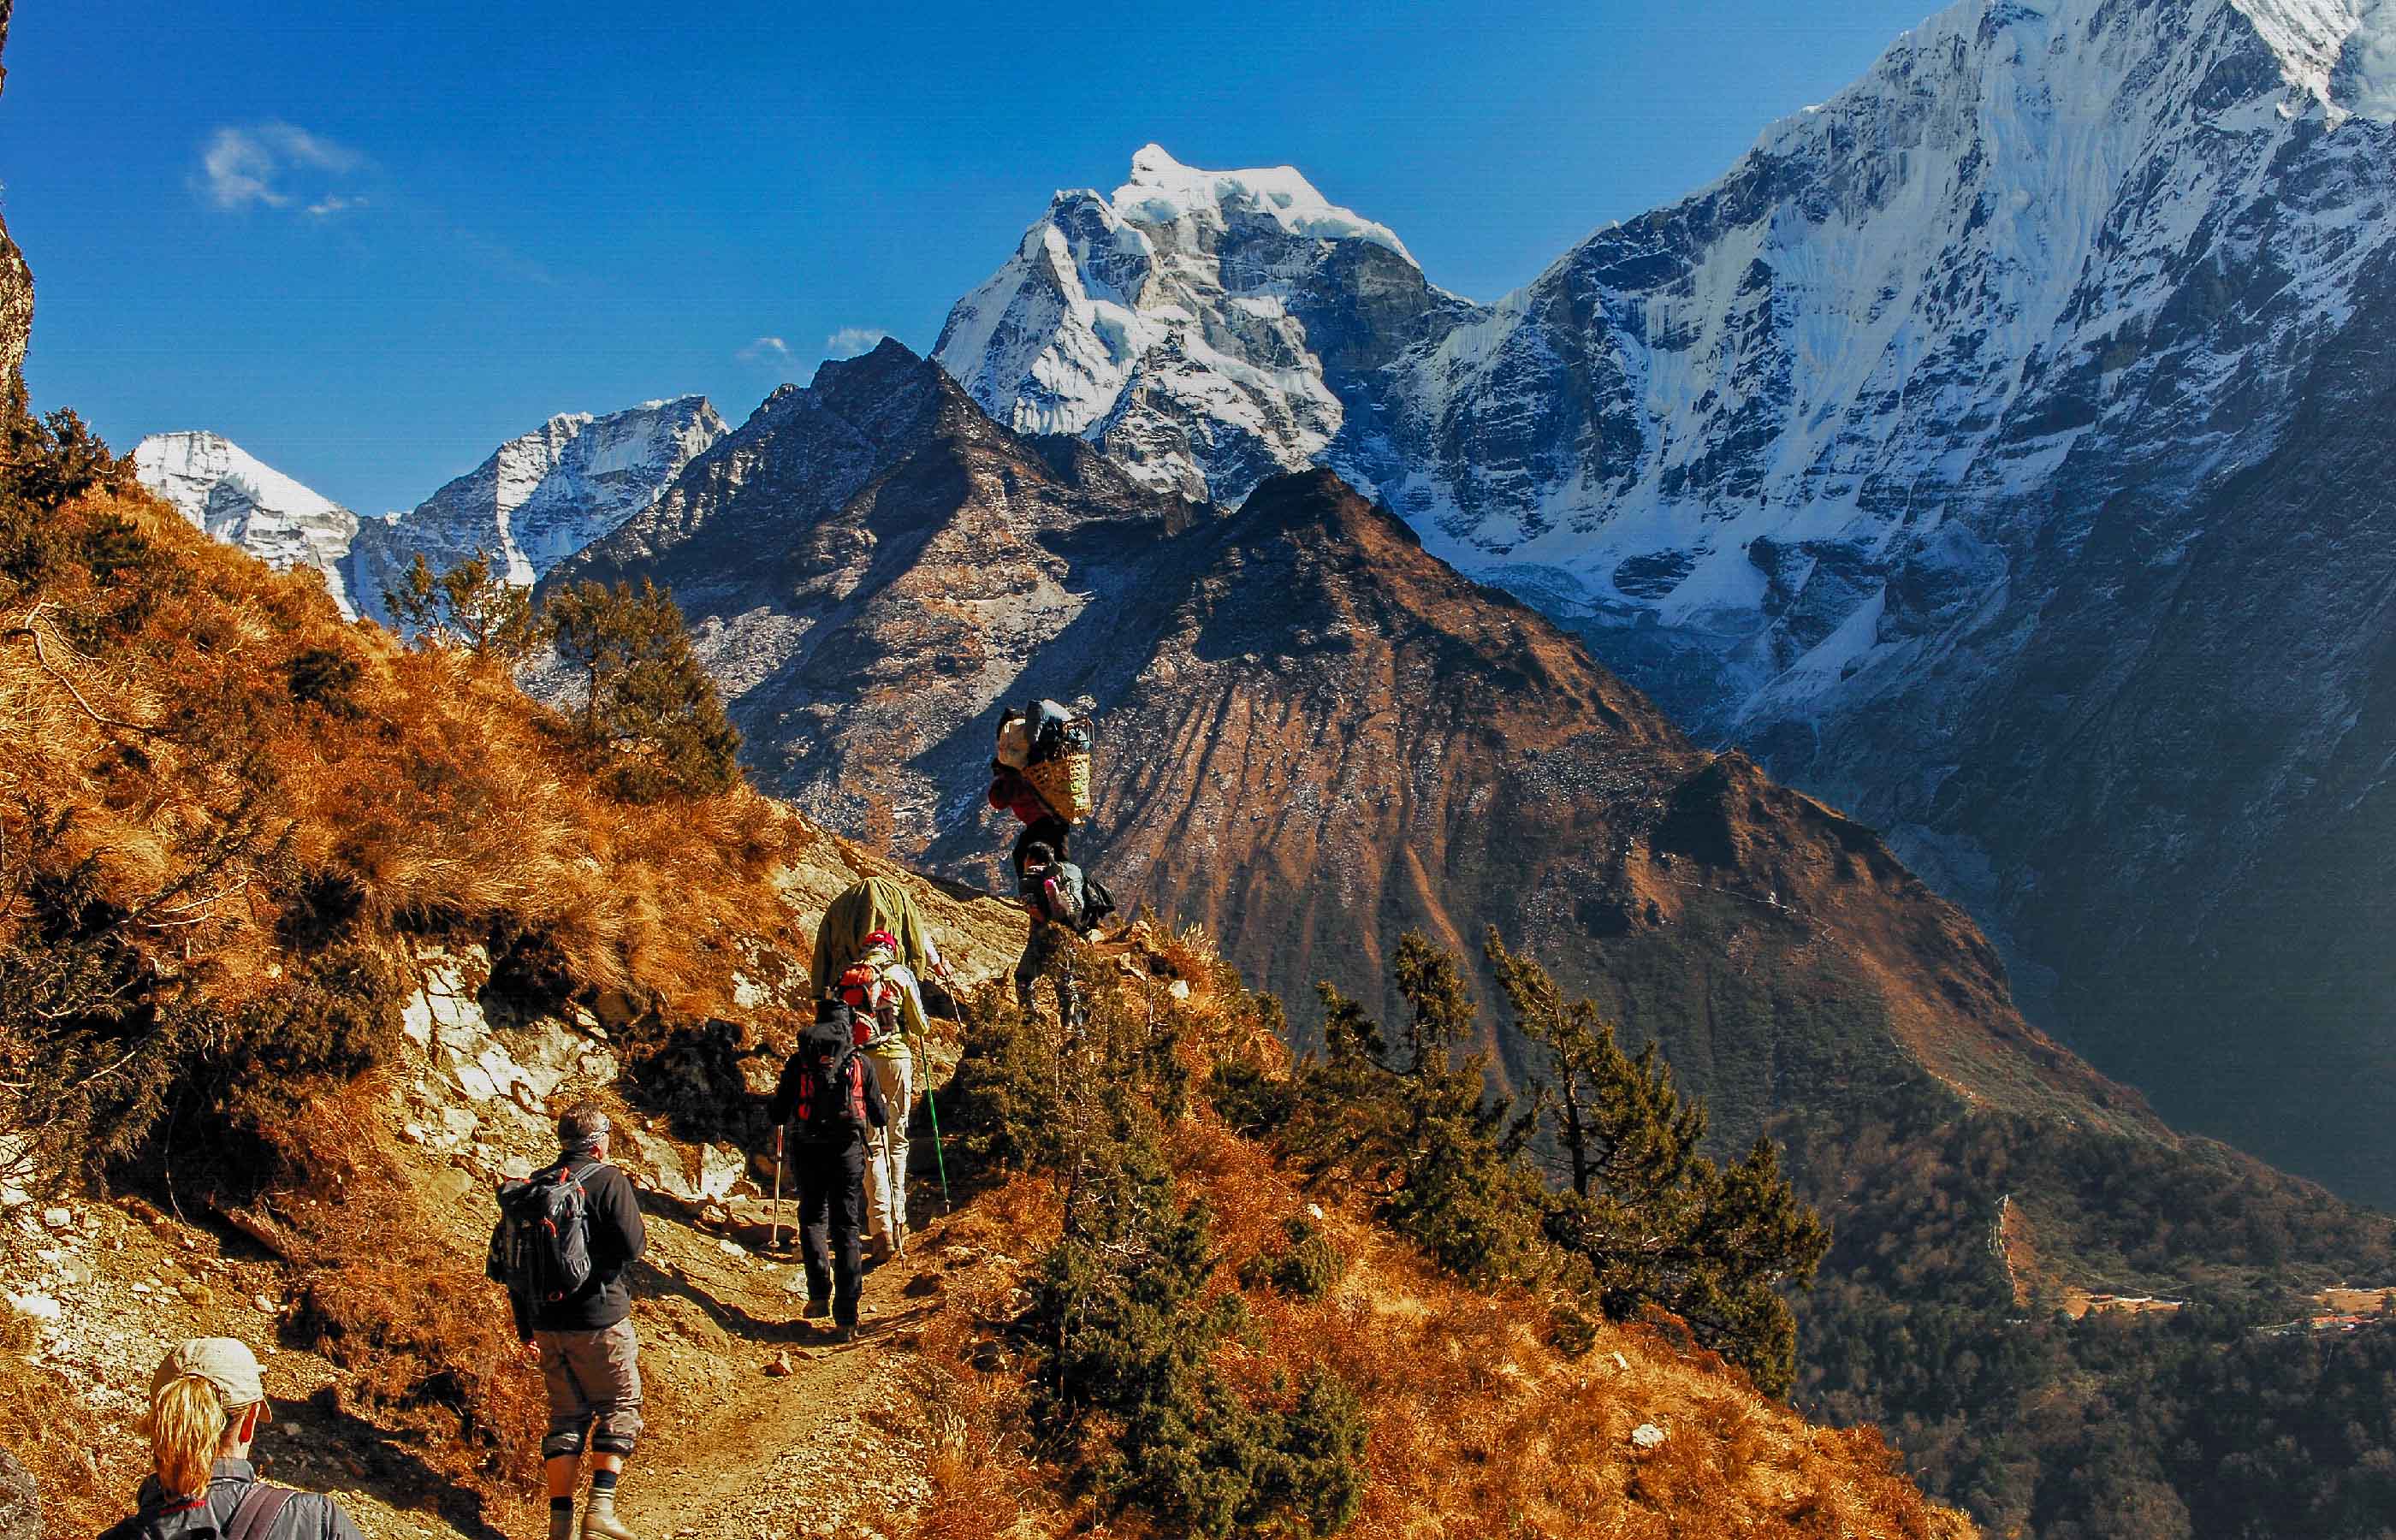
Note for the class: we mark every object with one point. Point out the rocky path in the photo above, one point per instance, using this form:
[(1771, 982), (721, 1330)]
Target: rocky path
[(767, 1427)]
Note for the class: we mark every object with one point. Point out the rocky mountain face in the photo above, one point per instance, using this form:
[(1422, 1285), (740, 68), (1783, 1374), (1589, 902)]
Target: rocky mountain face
[(1317, 734), (1973, 453), (869, 564), (15, 282), (538, 500), (240, 500)]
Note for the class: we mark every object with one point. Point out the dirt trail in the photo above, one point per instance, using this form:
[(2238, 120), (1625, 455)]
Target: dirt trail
[(736, 1451)]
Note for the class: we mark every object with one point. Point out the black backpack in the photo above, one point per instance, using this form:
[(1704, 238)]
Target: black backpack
[(541, 1248), (831, 1104)]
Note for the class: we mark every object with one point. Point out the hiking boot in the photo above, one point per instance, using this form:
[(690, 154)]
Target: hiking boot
[(560, 1522), (845, 1333), (599, 1519), (817, 1310)]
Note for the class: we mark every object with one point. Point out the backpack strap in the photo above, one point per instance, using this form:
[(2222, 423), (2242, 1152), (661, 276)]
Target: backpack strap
[(261, 1505)]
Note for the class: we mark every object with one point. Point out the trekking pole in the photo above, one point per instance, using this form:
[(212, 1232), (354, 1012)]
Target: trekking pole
[(774, 1231), (938, 1159)]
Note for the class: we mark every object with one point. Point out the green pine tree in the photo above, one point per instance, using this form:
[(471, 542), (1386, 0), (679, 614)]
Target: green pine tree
[(651, 713), (1657, 1222), (1417, 1123), (470, 607)]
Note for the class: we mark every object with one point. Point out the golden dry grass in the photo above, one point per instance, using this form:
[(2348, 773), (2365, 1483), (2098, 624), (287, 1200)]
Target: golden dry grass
[(426, 796)]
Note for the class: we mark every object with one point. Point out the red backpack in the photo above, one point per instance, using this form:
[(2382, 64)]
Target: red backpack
[(870, 1000)]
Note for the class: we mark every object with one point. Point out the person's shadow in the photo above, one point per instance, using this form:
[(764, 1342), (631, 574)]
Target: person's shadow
[(394, 1472)]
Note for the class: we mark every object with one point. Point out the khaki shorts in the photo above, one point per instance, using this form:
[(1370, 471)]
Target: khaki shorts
[(594, 1380)]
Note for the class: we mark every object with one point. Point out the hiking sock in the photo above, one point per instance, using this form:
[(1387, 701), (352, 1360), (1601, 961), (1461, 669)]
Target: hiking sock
[(604, 1481), (561, 1519)]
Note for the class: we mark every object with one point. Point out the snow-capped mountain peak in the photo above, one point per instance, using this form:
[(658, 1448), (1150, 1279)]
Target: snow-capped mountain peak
[(238, 497), (1162, 191), (1188, 323)]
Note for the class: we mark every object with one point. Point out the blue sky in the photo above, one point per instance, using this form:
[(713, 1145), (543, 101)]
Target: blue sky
[(370, 249)]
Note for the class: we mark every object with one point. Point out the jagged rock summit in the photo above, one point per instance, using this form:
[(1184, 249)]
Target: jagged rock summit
[(1205, 328)]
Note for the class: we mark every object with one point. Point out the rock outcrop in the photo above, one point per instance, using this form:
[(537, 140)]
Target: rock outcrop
[(16, 284)]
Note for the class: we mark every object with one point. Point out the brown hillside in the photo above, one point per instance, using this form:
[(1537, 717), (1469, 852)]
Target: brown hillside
[(1334, 724), (211, 784)]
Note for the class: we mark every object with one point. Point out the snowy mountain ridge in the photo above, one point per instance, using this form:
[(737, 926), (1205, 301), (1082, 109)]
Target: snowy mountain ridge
[(543, 496), (240, 500), (538, 500)]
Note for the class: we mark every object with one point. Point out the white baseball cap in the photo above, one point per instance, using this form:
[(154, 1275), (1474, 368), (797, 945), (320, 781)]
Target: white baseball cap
[(225, 1362)]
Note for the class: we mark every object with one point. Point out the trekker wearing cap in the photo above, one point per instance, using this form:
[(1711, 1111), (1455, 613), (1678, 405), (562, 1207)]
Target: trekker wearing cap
[(590, 1359), (206, 1406), (872, 951)]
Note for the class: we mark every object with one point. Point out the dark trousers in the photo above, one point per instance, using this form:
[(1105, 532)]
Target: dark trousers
[(832, 1222), (1040, 952)]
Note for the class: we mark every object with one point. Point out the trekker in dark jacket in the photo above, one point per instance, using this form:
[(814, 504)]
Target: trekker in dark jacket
[(1057, 896), (590, 1357), (208, 1404), (830, 1103)]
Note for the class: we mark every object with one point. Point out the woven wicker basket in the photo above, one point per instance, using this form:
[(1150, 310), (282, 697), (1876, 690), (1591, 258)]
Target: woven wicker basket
[(1064, 784)]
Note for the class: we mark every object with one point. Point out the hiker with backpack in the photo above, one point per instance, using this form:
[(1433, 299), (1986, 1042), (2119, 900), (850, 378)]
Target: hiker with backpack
[(832, 1105), (1040, 772), (207, 1405), (567, 1236), (1064, 902), (873, 952), (880, 999)]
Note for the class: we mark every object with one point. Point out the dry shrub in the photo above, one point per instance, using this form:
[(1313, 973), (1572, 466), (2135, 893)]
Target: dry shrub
[(238, 781), (426, 1341)]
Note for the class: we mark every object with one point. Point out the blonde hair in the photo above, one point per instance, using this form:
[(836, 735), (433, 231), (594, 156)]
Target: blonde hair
[(186, 1425)]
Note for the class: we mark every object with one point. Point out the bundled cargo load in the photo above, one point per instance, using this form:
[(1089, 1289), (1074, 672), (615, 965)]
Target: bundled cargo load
[(1048, 746)]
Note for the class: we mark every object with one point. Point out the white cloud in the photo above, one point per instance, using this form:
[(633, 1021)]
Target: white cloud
[(276, 165), (849, 342), (767, 349)]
